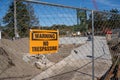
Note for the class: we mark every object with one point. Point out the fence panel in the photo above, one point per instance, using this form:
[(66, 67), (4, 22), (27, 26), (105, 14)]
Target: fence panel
[(107, 31), (73, 24), (87, 42)]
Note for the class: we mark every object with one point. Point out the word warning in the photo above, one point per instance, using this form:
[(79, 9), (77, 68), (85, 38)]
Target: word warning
[(43, 41)]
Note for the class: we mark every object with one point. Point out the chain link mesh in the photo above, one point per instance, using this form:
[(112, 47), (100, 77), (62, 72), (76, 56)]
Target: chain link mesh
[(107, 27), (73, 61)]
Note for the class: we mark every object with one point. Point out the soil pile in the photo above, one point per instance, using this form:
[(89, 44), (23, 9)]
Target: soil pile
[(12, 66)]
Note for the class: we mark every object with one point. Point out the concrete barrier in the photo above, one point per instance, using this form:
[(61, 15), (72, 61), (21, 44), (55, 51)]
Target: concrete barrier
[(79, 57)]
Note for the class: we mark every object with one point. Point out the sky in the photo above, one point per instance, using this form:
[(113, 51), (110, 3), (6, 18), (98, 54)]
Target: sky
[(101, 4)]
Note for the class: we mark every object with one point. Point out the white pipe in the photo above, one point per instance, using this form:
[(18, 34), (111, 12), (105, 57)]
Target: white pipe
[(0, 35)]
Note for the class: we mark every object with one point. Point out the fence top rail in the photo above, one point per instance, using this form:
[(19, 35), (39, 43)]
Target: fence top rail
[(64, 6), (52, 4)]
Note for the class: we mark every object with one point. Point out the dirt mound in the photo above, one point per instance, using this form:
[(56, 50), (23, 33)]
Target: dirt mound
[(5, 61), (12, 65)]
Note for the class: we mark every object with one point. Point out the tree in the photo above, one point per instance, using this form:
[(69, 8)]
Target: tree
[(63, 29), (9, 21), (33, 19), (23, 19), (81, 21), (114, 11), (105, 20), (115, 18)]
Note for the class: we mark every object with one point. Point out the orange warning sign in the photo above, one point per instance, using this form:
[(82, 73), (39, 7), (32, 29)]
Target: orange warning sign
[(43, 41)]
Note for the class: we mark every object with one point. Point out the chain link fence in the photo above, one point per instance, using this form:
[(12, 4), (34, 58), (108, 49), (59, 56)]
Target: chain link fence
[(89, 42), (107, 27)]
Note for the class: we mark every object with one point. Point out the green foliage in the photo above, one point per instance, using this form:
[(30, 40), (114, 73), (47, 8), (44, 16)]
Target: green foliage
[(63, 29), (81, 28), (23, 20), (105, 20), (82, 24), (114, 10), (33, 19), (9, 21)]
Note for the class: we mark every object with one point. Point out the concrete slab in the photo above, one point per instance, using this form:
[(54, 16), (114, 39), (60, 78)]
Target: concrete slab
[(72, 40), (80, 58)]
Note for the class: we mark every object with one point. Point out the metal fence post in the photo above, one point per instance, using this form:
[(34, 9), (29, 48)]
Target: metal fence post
[(92, 45), (15, 21)]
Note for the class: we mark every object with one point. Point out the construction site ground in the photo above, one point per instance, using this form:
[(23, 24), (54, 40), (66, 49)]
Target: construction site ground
[(13, 67), (14, 50)]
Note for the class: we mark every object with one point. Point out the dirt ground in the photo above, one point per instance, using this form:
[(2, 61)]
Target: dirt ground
[(12, 65), (64, 51)]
